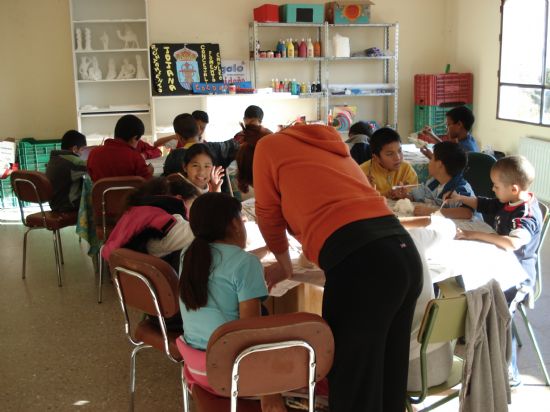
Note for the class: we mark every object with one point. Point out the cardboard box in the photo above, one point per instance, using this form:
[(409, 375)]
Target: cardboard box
[(267, 13), (302, 13), (348, 13)]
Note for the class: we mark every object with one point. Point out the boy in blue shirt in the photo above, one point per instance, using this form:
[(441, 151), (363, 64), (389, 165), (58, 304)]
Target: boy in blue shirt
[(518, 224), (459, 124), (446, 167)]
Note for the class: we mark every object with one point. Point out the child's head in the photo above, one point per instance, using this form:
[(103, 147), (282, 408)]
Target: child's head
[(197, 165), (129, 128), (449, 159), (253, 115), (360, 128), (73, 141), (214, 217), (245, 156), (186, 126), (201, 118), (459, 121), (511, 176), (385, 145)]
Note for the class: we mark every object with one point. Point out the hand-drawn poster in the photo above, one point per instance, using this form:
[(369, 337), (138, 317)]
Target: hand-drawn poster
[(175, 67)]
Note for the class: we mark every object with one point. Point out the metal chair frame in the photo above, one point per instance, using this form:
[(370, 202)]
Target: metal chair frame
[(58, 250)]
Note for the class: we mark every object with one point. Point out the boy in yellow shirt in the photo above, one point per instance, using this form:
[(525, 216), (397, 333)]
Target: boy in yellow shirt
[(387, 169)]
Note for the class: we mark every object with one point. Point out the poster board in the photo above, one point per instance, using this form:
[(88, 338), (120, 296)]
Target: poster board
[(175, 67)]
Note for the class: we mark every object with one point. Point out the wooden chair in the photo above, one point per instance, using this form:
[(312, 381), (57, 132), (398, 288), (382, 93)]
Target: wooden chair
[(149, 284), (264, 355), (444, 321), (108, 201), (35, 187), (536, 294)]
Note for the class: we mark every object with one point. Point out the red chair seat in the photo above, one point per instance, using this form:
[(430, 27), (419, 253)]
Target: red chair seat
[(54, 220), (148, 331)]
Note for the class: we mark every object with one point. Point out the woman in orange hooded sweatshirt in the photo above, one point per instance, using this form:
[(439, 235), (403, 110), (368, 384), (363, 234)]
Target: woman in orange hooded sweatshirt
[(305, 181)]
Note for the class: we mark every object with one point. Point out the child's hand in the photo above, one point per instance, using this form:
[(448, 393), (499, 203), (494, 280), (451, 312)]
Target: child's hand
[(421, 210), (426, 152), (451, 196), (398, 192), (463, 234), (216, 178)]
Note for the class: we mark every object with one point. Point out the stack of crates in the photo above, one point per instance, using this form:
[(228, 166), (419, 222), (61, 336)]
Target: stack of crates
[(436, 94), (7, 197)]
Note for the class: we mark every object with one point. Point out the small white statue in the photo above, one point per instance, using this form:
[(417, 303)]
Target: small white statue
[(128, 37), (78, 39), (111, 72), (87, 39), (94, 72), (104, 40), (140, 74), (127, 71), (85, 62), (403, 207)]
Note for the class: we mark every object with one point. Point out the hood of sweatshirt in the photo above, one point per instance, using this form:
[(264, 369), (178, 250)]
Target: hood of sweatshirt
[(324, 137)]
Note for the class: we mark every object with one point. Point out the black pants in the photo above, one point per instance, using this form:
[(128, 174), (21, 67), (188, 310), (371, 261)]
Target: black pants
[(369, 301)]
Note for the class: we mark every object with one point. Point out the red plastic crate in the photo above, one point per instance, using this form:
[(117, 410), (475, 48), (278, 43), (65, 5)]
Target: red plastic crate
[(451, 89), (267, 13)]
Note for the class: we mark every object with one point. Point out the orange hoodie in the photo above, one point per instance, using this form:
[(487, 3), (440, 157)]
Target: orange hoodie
[(306, 180)]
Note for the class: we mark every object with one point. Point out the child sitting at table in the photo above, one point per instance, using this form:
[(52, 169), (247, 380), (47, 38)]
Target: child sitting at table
[(65, 170), (253, 115), (386, 170), (445, 167), (518, 224), (199, 169), (219, 282), (201, 117), (359, 135)]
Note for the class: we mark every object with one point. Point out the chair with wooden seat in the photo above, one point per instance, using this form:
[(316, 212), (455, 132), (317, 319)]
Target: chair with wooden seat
[(108, 201), (35, 187), (150, 285), (444, 321), (262, 356), (537, 291)]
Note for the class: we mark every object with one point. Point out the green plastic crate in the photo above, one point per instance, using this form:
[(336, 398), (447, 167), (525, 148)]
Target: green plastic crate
[(35, 154), (7, 196), (432, 116)]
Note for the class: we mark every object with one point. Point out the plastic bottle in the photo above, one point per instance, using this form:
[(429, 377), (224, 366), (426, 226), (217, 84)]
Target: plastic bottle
[(273, 85), (276, 86), (281, 87), (317, 48), (310, 48), (295, 89), (283, 49), (313, 87), (296, 47), (302, 49), (303, 88), (290, 49)]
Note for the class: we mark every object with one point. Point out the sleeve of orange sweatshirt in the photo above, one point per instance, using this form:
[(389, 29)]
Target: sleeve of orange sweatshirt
[(269, 214)]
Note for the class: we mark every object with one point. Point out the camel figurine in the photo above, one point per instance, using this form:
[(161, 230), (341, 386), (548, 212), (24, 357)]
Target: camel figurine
[(129, 38)]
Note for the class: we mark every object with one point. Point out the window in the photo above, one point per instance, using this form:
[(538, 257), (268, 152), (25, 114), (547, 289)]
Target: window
[(524, 76)]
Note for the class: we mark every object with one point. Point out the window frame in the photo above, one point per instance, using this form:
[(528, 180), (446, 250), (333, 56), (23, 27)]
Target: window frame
[(543, 87)]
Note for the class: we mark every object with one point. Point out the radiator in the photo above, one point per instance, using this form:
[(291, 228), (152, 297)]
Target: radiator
[(538, 153)]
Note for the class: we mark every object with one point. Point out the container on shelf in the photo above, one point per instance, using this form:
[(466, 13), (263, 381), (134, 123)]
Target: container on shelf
[(433, 116), (267, 13), (34, 154), (302, 13), (348, 13), (446, 88)]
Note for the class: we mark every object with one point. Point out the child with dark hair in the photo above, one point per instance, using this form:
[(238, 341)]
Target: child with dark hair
[(459, 124), (446, 169), (250, 136), (65, 170), (387, 171), (201, 117), (199, 169), (118, 156), (359, 135), (219, 281), (253, 115)]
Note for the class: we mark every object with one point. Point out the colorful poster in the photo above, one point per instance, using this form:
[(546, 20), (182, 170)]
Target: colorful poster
[(175, 67)]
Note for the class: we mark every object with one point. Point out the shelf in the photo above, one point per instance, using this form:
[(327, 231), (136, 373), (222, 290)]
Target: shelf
[(319, 25), (111, 113), (343, 96), (364, 25), (110, 51), (389, 57), (112, 81), (288, 59), (109, 21)]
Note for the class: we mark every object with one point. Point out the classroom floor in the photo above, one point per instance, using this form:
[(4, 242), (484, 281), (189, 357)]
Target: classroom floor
[(62, 351)]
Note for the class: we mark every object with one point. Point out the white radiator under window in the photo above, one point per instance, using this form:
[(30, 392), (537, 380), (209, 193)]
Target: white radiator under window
[(538, 152)]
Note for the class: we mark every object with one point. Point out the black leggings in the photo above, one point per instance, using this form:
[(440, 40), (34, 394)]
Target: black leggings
[(369, 301)]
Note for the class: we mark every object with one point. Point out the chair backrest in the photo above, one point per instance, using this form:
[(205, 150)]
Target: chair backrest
[(145, 282), (268, 370), (478, 173), (31, 186), (444, 320), (543, 232), (109, 198)]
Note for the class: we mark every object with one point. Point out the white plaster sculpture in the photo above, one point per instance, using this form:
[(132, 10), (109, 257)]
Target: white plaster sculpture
[(78, 39), (128, 37), (140, 74), (87, 39), (85, 62), (105, 41), (94, 72), (127, 71), (403, 207), (111, 72)]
